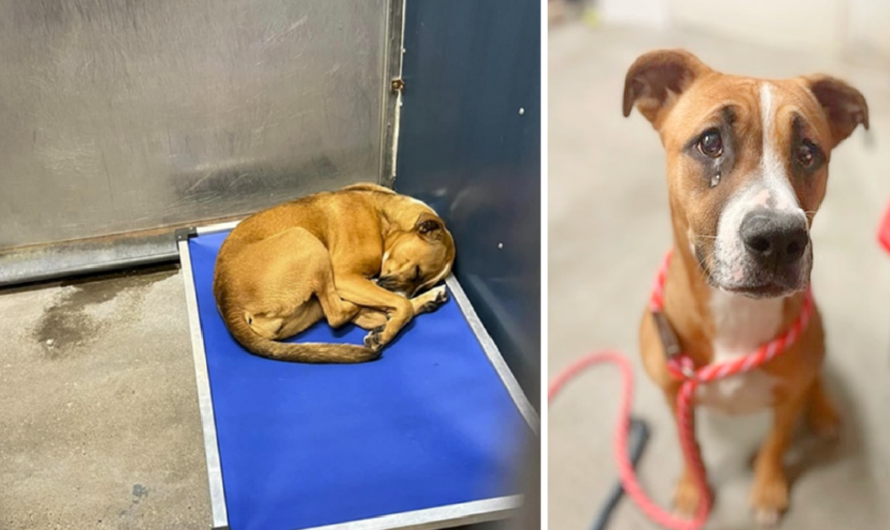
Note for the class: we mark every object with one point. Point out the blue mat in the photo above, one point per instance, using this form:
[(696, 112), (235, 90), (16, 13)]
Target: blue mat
[(429, 424)]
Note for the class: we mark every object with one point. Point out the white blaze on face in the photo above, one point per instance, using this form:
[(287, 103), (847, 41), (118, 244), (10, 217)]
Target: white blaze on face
[(770, 189), (775, 176)]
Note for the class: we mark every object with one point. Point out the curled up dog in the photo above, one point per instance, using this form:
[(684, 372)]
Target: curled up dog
[(363, 254)]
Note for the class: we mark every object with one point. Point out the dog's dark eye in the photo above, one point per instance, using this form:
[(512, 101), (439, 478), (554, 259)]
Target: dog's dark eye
[(710, 144), (806, 153)]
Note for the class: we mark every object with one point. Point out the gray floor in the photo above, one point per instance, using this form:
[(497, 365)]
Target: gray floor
[(98, 411), (608, 230), (99, 421)]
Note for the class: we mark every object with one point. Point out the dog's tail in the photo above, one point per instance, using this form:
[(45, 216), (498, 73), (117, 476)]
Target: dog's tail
[(321, 353)]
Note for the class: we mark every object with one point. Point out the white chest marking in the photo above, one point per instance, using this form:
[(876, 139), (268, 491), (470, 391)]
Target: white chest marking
[(741, 324)]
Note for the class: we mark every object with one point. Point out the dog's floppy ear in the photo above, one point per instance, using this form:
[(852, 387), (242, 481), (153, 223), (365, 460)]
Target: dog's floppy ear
[(656, 78), (845, 107), (430, 226)]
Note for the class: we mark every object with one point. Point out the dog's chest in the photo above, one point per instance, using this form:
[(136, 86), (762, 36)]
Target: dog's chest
[(741, 325)]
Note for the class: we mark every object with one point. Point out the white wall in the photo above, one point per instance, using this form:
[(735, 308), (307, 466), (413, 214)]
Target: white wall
[(854, 29), (651, 13), (868, 33), (815, 25)]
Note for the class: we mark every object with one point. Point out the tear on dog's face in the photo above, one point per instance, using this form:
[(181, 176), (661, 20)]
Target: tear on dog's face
[(747, 164), (416, 260)]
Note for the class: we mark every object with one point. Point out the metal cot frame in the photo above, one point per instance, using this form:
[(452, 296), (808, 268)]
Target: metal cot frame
[(439, 517)]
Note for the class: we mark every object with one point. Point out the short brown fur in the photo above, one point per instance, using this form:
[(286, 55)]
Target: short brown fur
[(283, 269), (681, 97)]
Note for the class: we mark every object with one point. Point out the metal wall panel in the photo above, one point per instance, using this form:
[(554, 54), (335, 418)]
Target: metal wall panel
[(124, 115), (469, 145)]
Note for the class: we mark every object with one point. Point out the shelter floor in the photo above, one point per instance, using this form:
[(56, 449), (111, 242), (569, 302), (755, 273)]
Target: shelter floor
[(98, 407), (100, 417), (608, 231)]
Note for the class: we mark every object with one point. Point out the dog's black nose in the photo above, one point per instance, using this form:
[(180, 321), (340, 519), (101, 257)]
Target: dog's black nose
[(387, 282), (774, 238)]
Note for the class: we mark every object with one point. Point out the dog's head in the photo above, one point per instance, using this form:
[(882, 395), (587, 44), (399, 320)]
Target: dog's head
[(747, 163), (417, 259)]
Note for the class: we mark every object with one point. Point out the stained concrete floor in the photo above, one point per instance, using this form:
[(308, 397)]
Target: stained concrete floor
[(99, 421), (608, 231)]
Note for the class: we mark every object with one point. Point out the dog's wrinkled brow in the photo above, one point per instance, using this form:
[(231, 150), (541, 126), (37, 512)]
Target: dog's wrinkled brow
[(724, 116)]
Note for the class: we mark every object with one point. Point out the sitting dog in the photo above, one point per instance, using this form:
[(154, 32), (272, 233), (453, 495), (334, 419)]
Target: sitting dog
[(747, 165), (283, 269)]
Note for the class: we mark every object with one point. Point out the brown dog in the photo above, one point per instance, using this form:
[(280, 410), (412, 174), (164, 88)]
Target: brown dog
[(283, 269), (747, 165)]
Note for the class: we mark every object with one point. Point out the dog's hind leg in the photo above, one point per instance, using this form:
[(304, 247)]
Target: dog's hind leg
[(318, 261), (337, 310), (309, 314), (294, 286), (370, 319), (365, 293), (822, 416)]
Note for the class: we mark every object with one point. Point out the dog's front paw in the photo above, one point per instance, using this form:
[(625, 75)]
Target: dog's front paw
[(687, 497), (769, 498), (373, 339), (439, 296)]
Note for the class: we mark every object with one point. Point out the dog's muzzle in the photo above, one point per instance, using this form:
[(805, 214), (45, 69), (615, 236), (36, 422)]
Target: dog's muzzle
[(389, 283), (395, 285)]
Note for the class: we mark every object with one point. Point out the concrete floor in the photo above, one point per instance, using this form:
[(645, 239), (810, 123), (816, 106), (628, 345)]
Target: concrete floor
[(608, 231), (99, 423), (98, 410)]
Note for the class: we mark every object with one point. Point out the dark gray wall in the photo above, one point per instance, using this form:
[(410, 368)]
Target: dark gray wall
[(469, 145)]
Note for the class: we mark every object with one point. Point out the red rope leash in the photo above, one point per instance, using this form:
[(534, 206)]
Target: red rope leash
[(682, 368)]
